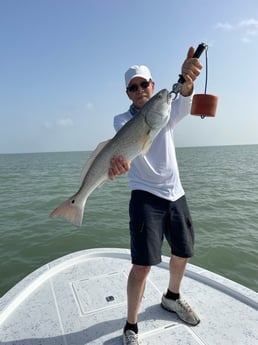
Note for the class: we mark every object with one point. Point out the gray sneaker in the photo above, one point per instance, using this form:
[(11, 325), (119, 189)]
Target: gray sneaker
[(182, 309), (130, 338)]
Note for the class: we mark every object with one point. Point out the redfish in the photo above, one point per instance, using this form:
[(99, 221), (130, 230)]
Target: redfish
[(133, 139)]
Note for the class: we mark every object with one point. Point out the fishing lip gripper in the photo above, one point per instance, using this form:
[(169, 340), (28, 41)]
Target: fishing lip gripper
[(176, 88), (202, 104)]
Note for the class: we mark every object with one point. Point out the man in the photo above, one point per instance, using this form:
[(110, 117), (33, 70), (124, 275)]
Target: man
[(158, 205)]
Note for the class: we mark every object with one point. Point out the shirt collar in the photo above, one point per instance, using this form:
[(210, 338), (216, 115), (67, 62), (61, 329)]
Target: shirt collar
[(133, 110)]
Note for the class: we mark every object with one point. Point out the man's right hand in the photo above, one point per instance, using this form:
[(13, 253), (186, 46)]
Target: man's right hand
[(118, 166)]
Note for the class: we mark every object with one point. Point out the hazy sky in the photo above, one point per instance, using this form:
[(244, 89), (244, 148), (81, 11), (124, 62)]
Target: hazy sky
[(62, 67)]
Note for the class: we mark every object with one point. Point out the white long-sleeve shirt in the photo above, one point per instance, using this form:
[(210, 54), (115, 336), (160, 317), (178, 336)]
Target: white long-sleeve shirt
[(157, 171)]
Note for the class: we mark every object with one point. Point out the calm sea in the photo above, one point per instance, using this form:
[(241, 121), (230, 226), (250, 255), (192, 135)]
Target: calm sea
[(221, 185)]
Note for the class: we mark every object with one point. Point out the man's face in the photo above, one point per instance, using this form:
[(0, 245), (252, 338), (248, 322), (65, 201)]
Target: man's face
[(140, 91)]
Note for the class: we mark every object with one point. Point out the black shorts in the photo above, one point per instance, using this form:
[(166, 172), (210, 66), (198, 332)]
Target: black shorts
[(152, 218)]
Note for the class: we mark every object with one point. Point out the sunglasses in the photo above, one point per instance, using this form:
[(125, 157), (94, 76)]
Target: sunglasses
[(135, 87)]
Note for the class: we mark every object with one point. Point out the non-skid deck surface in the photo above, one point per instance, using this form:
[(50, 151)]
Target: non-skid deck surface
[(81, 299)]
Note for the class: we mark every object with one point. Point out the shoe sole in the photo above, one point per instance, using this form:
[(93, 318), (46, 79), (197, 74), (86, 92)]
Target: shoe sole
[(167, 309)]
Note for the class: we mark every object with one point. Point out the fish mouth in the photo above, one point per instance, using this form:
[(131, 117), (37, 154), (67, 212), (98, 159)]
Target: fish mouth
[(169, 97)]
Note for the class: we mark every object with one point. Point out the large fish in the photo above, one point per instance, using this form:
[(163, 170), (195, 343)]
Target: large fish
[(134, 138)]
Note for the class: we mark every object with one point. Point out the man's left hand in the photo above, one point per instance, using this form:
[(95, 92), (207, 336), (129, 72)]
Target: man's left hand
[(191, 69)]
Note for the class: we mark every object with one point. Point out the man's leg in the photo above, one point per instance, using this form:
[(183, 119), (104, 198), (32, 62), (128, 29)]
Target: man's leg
[(177, 267), (135, 289), (171, 300)]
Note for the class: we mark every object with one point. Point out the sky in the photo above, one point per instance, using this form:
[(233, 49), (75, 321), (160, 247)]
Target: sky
[(62, 67)]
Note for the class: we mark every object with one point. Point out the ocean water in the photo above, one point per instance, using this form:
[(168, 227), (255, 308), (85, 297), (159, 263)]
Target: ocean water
[(221, 185)]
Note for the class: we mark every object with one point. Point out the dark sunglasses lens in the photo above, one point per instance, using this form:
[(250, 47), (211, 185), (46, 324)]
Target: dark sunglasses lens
[(145, 84), (134, 87)]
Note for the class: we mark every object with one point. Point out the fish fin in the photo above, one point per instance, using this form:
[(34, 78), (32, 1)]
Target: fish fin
[(91, 159), (146, 147), (146, 144), (101, 183), (70, 211)]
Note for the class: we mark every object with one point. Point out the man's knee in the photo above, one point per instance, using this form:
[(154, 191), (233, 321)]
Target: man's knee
[(140, 272)]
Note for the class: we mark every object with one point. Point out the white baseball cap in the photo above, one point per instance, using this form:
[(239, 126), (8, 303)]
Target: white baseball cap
[(137, 71)]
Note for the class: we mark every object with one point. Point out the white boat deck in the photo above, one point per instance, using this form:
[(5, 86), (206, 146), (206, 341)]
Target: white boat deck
[(81, 299)]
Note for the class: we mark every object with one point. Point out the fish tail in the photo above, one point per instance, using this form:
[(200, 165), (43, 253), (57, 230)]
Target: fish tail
[(70, 210)]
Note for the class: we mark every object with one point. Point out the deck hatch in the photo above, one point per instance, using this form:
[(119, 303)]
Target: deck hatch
[(100, 292)]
